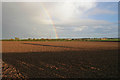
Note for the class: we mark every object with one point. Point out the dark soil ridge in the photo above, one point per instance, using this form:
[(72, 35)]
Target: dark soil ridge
[(8, 71)]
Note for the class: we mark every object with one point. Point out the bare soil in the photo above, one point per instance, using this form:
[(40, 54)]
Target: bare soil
[(60, 59)]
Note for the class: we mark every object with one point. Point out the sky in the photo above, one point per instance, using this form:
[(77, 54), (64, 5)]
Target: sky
[(59, 19)]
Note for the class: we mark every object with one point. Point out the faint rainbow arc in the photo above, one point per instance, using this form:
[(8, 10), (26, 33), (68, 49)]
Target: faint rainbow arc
[(49, 16)]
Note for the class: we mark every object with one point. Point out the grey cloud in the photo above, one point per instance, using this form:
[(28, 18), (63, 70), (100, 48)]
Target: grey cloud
[(31, 20)]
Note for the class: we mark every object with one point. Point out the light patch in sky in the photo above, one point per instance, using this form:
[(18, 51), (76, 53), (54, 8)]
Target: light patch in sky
[(80, 28)]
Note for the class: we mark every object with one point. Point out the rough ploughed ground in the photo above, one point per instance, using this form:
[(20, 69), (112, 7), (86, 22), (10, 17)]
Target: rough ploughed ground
[(75, 59)]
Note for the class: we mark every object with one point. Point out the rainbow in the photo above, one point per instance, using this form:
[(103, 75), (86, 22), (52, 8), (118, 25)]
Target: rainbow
[(50, 17)]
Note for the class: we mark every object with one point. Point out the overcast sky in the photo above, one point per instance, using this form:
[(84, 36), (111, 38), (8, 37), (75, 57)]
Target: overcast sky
[(66, 19)]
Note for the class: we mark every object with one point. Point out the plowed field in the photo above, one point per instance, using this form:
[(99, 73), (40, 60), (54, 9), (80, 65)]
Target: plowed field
[(60, 59)]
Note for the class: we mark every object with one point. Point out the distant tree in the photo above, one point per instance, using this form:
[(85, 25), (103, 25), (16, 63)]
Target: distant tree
[(29, 39), (34, 39), (37, 39), (16, 38)]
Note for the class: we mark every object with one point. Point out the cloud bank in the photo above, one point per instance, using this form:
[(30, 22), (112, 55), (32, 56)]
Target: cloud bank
[(71, 19)]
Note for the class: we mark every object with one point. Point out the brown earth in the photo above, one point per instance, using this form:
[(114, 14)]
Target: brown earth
[(61, 59), (30, 46)]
